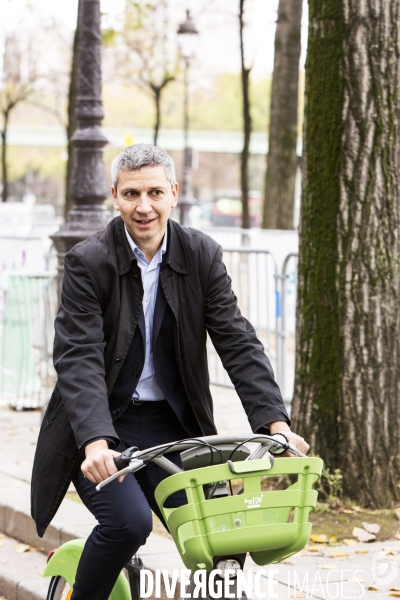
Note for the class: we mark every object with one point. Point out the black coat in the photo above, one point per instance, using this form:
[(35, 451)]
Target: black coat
[(100, 306)]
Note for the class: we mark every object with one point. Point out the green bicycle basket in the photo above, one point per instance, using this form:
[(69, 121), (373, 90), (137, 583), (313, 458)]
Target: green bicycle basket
[(260, 522)]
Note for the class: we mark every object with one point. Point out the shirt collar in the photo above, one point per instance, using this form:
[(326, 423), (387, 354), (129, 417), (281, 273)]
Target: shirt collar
[(138, 252)]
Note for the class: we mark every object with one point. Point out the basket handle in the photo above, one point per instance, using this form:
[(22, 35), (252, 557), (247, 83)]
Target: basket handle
[(247, 466)]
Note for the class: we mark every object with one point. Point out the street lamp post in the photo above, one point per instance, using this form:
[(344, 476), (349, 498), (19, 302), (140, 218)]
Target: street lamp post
[(88, 186), (187, 33)]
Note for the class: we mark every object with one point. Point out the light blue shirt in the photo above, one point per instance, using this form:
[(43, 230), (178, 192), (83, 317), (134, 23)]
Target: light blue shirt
[(148, 387)]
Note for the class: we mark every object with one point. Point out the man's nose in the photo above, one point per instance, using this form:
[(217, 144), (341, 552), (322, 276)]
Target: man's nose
[(144, 205)]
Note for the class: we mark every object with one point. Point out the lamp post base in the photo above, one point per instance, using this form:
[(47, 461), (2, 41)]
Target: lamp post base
[(82, 221)]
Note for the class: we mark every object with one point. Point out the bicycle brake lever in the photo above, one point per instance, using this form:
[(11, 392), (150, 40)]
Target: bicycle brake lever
[(130, 469), (296, 452), (110, 479)]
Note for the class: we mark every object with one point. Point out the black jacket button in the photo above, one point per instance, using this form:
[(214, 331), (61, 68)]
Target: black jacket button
[(116, 411), (118, 360), (135, 374)]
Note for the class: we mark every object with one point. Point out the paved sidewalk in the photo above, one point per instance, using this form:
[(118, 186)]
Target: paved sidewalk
[(319, 573)]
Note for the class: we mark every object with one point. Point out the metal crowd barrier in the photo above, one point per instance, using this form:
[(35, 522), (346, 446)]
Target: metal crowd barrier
[(265, 294), (28, 303), (27, 310)]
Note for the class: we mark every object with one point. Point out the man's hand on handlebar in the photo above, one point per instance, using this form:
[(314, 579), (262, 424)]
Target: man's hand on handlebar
[(294, 440), (99, 462)]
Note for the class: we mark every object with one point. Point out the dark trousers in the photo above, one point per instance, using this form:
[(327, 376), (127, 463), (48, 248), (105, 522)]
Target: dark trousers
[(123, 510)]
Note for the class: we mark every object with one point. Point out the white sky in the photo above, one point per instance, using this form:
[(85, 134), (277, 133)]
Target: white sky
[(218, 48)]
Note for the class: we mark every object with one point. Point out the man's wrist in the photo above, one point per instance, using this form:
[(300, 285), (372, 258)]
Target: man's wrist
[(111, 442), (102, 444), (278, 427)]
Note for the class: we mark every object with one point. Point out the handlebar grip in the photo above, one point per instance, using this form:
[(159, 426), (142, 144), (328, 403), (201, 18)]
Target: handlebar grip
[(124, 458), (120, 463)]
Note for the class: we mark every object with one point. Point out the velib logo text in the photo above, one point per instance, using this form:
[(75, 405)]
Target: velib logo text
[(254, 502)]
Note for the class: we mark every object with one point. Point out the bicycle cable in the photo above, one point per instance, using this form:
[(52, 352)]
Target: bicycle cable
[(181, 442)]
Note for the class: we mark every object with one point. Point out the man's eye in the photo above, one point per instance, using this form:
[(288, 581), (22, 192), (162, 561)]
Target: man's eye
[(157, 192)]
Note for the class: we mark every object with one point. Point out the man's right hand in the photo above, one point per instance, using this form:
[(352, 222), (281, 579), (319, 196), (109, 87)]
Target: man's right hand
[(99, 463)]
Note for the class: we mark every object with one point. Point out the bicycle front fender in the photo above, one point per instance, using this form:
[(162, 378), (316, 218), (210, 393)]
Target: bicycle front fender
[(65, 561)]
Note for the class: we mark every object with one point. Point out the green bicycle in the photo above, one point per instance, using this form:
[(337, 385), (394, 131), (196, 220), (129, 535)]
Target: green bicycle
[(220, 523)]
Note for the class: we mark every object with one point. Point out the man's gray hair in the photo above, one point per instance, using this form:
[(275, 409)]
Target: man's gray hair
[(138, 156)]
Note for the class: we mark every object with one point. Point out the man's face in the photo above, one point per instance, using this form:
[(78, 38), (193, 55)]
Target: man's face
[(145, 199)]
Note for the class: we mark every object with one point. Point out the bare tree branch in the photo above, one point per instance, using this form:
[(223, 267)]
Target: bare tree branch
[(145, 51), (24, 71)]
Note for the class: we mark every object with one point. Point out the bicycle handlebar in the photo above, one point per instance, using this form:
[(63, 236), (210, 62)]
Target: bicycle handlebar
[(132, 459)]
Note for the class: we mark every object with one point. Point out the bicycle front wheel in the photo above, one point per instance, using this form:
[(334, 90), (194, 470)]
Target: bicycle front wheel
[(59, 589)]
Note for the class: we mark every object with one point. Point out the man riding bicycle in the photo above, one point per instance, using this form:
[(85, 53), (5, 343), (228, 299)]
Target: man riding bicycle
[(138, 300)]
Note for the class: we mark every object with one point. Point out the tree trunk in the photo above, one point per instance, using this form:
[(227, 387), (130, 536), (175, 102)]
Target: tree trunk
[(346, 400), (281, 158), (244, 157), (4, 173), (72, 121), (157, 122)]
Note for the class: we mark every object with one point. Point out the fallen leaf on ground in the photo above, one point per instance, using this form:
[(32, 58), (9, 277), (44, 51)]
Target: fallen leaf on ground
[(349, 542), (339, 555), (395, 588), (362, 551), (319, 538), (373, 588), (312, 548), (371, 527), (23, 548), (362, 535), (332, 539), (327, 566), (395, 594)]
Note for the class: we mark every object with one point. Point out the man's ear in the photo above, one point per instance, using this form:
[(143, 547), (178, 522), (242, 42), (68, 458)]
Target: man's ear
[(175, 189), (115, 197)]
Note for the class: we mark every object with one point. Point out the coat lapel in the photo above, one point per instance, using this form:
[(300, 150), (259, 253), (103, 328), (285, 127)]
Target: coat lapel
[(159, 312), (142, 326)]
